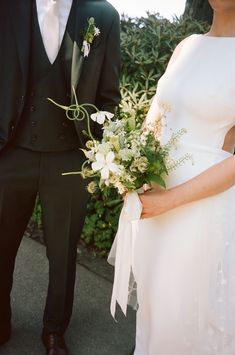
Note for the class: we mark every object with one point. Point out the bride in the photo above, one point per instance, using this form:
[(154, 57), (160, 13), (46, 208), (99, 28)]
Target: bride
[(183, 257)]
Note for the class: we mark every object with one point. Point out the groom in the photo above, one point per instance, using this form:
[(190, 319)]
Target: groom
[(41, 57)]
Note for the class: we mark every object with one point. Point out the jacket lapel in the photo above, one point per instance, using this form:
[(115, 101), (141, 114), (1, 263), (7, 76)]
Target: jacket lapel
[(21, 22), (76, 68), (81, 15)]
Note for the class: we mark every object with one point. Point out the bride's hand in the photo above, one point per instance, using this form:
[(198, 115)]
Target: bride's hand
[(155, 202), (212, 181)]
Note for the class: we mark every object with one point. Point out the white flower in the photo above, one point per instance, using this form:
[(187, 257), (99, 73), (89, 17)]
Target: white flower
[(90, 144), (121, 188), (86, 172), (92, 187), (125, 154), (97, 31), (86, 48), (105, 164), (104, 148), (101, 116), (113, 179)]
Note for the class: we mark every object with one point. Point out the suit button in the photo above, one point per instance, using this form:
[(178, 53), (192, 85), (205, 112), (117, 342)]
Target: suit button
[(22, 97), (12, 127), (64, 124), (32, 108), (33, 123), (34, 138)]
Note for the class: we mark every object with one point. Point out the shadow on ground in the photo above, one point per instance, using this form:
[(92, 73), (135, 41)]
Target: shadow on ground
[(92, 330)]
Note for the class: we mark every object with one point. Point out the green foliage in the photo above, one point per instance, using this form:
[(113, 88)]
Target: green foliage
[(147, 44), (101, 222), (156, 157)]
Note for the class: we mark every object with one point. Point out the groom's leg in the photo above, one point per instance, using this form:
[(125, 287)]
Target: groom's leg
[(64, 200), (17, 196)]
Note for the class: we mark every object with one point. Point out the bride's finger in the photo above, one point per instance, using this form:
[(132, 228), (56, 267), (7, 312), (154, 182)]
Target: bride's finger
[(144, 216)]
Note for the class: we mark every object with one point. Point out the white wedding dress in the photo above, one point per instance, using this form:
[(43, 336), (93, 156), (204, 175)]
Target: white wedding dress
[(184, 261)]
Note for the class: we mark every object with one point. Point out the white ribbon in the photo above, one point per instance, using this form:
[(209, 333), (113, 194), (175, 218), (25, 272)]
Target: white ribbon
[(122, 250)]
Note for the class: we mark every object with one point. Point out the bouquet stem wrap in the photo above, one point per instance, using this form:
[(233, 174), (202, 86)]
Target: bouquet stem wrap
[(121, 254)]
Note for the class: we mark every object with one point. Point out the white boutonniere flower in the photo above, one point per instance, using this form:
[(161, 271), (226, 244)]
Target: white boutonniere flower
[(86, 47), (89, 35)]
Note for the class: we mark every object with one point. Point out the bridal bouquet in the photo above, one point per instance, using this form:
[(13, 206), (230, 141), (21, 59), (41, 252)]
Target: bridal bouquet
[(129, 155)]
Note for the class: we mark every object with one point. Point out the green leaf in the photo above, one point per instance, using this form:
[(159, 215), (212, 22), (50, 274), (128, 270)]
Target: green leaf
[(157, 179)]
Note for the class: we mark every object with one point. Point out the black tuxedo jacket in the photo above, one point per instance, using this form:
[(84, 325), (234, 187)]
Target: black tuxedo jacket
[(98, 80)]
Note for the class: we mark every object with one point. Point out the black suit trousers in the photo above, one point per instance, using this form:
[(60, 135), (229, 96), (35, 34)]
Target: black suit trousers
[(23, 174)]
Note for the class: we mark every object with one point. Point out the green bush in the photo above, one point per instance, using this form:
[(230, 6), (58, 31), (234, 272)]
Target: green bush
[(147, 44)]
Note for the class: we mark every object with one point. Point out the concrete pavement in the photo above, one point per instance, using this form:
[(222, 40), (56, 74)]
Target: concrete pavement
[(92, 330)]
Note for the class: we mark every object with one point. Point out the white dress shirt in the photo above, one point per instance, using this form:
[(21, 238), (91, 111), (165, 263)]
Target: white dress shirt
[(64, 10)]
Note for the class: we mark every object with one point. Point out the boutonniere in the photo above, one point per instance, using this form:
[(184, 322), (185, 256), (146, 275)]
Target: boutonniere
[(89, 35)]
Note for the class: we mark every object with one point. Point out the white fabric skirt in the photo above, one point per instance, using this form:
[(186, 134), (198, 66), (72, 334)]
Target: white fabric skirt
[(184, 266)]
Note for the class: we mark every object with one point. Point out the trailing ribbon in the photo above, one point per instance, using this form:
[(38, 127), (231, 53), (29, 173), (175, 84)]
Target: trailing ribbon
[(121, 254)]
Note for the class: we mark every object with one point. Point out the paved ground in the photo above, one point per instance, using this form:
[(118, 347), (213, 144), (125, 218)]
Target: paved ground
[(92, 330)]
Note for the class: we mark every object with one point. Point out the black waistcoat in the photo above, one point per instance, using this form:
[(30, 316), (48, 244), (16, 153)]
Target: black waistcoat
[(44, 127)]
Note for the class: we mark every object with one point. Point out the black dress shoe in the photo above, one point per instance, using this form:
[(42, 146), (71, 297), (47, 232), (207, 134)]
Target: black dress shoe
[(5, 333), (54, 344)]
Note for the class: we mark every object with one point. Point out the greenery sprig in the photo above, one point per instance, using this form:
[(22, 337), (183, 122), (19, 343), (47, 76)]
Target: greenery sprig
[(89, 35)]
